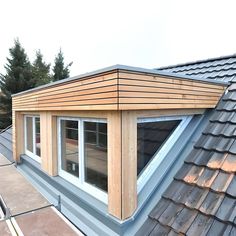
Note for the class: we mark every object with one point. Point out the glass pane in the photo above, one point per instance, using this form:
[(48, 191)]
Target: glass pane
[(95, 155), (37, 134), (29, 133), (69, 147), (92, 126), (151, 137)]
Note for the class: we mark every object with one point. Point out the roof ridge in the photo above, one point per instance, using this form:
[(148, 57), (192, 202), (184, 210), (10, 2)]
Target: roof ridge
[(197, 62)]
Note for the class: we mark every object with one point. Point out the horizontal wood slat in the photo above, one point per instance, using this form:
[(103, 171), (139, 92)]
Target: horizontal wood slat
[(121, 90)]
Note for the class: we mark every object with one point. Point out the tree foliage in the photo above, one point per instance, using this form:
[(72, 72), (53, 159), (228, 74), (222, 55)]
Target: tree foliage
[(60, 71), (18, 78), (40, 70)]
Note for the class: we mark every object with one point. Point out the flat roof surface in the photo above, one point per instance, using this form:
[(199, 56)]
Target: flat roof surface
[(4, 229), (4, 161), (30, 213), (19, 195), (34, 223)]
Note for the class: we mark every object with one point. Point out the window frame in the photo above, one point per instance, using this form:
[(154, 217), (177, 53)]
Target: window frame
[(80, 181), (165, 148), (33, 154)]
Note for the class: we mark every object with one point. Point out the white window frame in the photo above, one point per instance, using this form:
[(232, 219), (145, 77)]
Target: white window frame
[(79, 181), (27, 152), (168, 144)]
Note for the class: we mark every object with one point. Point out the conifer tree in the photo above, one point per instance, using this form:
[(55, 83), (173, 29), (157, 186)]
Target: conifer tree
[(40, 70), (18, 78), (60, 71)]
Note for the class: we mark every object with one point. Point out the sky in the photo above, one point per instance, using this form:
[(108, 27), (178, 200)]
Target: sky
[(96, 34)]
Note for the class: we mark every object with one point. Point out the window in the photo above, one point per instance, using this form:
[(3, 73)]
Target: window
[(83, 154), (32, 137), (155, 137)]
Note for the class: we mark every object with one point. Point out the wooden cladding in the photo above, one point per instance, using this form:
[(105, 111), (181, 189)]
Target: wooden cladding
[(121, 90)]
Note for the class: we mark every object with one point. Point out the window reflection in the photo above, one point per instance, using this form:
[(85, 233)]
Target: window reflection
[(95, 154), (151, 137), (69, 147)]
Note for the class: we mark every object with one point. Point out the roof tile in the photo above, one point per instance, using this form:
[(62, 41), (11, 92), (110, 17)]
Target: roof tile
[(229, 164), (184, 220), (199, 157), (159, 208), (196, 197), (232, 187), (200, 225), (216, 160), (160, 230), (207, 177), (211, 203), (193, 174), (227, 210), (169, 215), (217, 228), (222, 182)]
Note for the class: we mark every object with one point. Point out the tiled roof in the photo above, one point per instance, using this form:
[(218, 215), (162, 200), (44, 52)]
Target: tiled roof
[(223, 68), (201, 200)]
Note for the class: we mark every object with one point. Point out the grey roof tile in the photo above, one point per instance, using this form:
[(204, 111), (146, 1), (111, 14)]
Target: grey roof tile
[(228, 230), (216, 160), (233, 231), (184, 220), (197, 196), (211, 203), (179, 193), (220, 144), (229, 164), (227, 210), (147, 227), (207, 177), (232, 187), (169, 215), (217, 228), (199, 157), (219, 129), (193, 174), (233, 147), (200, 225), (160, 230), (223, 117), (222, 182), (159, 208)]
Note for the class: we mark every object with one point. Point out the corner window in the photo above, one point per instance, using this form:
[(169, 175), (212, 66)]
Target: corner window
[(155, 138), (83, 154), (32, 137)]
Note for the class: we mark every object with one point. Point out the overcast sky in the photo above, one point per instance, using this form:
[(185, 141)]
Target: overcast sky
[(96, 34)]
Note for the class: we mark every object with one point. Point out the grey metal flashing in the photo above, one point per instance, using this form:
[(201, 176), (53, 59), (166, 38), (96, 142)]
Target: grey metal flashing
[(212, 59), (123, 68)]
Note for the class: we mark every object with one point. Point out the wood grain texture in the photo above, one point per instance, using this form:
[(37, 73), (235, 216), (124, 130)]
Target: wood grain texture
[(121, 90), (129, 164), (48, 134), (114, 164), (17, 135)]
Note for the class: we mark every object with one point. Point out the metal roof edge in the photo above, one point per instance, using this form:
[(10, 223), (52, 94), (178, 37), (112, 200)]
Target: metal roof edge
[(196, 62), (122, 67)]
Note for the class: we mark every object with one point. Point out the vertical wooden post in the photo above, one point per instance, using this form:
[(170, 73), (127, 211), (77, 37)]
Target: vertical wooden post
[(17, 135), (122, 164), (129, 163), (114, 164), (48, 134)]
